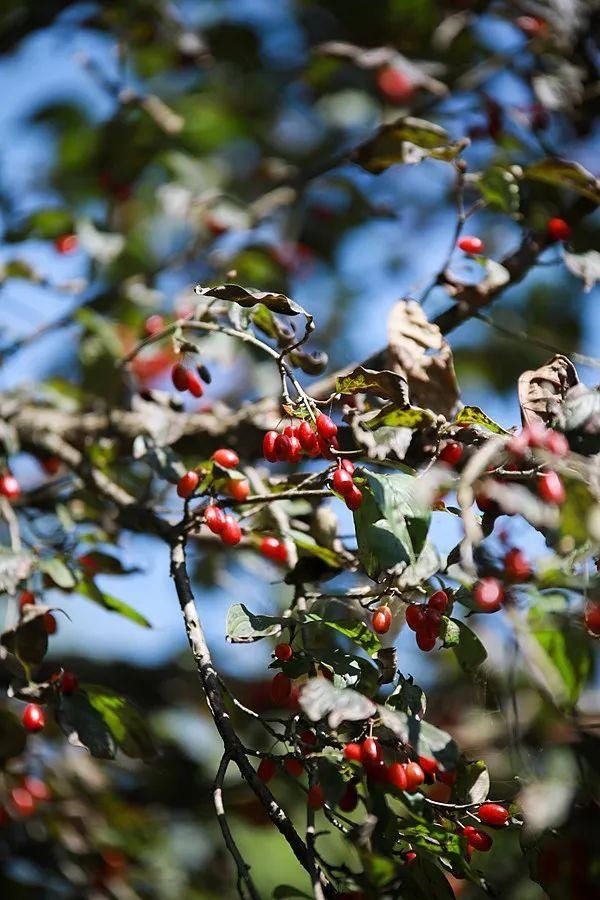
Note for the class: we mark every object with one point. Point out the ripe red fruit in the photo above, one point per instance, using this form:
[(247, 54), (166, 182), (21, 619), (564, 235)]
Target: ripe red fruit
[(471, 244), (231, 533), (370, 751), (33, 717), (353, 752), (305, 435), (342, 482), (395, 85), (382, 619), (429, 766), (415, 616), (26, 598), (414, 776), (477, 839), (308, 740), (295, 450), (283, 652), (37, 788), (238, 488), (282, 447), (438, 601), (226, 458), (591, 617), (193, 383), (396, 775), (530, 25), (488, 595), (268, 446), (294, 767), (290, 431), (266, 770), (409, 857), (179, 377), (451, 453), (326, 427), (551, 488), (69, 682), (22, 801), (154, 324), (187, 484), (558, 230), (214, 518), (516, 565), (485, 503), (66, 243), (51, 465), (316, 797), (349, 799), (50, 625), (493, 814), (353, 498), (273, 549), (311, 446), (448, 777), (9, 486), (556, 443), (426, 639), (281, 688)]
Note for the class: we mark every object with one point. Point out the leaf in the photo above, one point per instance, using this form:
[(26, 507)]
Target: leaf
[(472, 415), (418, 352), (575, 514), (426, 565), (13, 738), (472, 782), (126, 724), (393, 416), (319, 699), (84, 726), (585, 266), (468, 649), (542, 391), (408, 697), (28, 641), (358, 632), (57, 571), (378, 548), (398, 499), (567, 649), (431, 881), (389, 385), (88, 588), (309, 545), (249, 297), (565, 174), (406, 140), (500, 189), (426, 739), (244, 627)]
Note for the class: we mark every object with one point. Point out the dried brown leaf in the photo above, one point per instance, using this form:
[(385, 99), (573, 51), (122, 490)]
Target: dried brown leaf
[(542, 391)]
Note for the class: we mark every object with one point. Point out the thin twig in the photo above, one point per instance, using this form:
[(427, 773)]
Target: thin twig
[(243, 869)]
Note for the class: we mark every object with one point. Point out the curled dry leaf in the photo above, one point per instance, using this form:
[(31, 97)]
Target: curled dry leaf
[(418, 352), (542, 391)]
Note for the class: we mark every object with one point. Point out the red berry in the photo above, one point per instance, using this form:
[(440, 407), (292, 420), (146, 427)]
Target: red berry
[(231, 533), (308, 739), (66, 243), (33, 717), (154, 324), (558, 230), (69, 682), (451, 453), (396, 774), (268, 446), (281, 688), (214, 518), (316, 797), (382, 619), (9, 487), (37, 788), (283, 652), (50, 625), (438, 601), (326, 427), (370, 751), (488, 595), (448, 777), (536, 434), (294, 767), (226, 458), (414, 776), (266, 770), (26, 598), (353, 752), (193, 383), (295, 450), (179, 377), (238, 488), (426, 639), (429, 766), (493, 814), (395, 85), (327, 446), (478, 840), (409, 857), (353, 498), (415, 616), (22, 801), (282, 447), (273, 549), (470, 244), (516, 565), (187, 484), (348, 466), (486, 504), (551, 488), (305, 435), (349, 799), (591, 617), (518, 443), (311, 446), (342, 482), (556, 443)]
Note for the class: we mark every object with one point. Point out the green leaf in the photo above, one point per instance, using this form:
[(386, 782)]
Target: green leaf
[(408, 697), (243, 627), (468, 649), (472, 415), (309, 545), (575, 513), (500, 189), (126, 724), (88, 588), (406, 140), (388, 385), (378, 548), (565, 174), (472, 782), (57, 571), (84, 726), (394, 416), (402, 508), (319, 699), (426, 739), (429, 879), (28, 640), (358, 632), (567, 649), (13, 738)]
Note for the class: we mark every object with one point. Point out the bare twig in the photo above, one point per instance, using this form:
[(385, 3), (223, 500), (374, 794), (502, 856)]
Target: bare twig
[(243, 869)]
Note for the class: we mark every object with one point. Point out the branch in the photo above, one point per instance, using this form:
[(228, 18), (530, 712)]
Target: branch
[(243, 868)]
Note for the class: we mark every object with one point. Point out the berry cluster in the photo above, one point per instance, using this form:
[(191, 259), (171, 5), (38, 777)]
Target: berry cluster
[(24, 797), (405, 776), (223, 524), (296, 440), (342, 481), (537, 437), (492, 814), (451, 453), (425, 619)]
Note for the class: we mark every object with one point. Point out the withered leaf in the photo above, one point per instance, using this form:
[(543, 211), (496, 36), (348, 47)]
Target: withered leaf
[(542, 391)]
